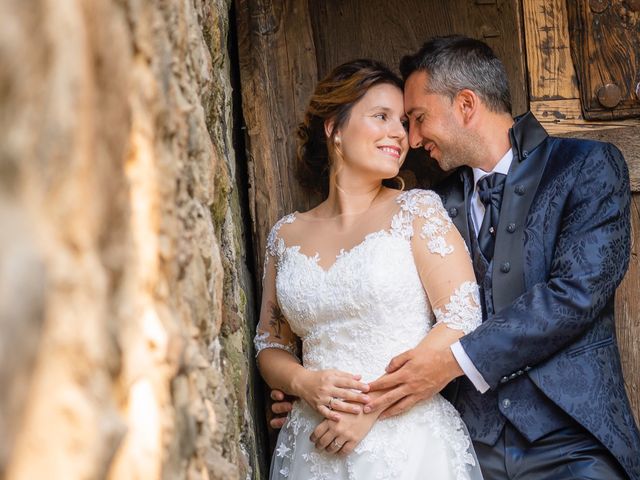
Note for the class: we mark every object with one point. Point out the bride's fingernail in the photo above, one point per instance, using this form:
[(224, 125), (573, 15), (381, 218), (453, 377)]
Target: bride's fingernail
[(367, 409), (365, 398)]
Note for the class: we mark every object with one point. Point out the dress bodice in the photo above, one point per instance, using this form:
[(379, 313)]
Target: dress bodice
[(370, 304)]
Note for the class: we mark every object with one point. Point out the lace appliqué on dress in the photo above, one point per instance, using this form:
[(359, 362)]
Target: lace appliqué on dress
[(463, 310), (275, 248), (275, 245), (428, 206), (261, 341)]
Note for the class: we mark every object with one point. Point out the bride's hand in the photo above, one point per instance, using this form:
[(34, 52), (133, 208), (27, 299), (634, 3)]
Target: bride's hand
[(332, 391), (344, 435)]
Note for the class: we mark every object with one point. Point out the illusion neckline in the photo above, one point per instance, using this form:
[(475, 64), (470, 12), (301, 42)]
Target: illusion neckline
[(343, 253)]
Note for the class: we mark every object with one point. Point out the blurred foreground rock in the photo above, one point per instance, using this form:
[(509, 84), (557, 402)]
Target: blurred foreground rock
[(124, 296)]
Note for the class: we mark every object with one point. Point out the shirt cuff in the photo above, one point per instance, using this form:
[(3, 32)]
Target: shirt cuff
[(469, 368)]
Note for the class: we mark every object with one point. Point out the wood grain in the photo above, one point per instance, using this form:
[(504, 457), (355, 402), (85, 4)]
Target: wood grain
[(563, 116), (628, 314), (344, 30), (277, 74), (606, 49), (551, 72)]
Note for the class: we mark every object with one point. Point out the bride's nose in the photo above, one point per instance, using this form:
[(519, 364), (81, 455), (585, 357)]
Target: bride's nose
[(397, 130)]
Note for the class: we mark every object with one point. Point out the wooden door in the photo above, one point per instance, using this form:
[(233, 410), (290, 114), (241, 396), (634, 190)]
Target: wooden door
[(605, 46)]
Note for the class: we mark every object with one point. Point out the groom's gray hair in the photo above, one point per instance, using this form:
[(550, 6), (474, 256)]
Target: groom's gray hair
[(455, 63)]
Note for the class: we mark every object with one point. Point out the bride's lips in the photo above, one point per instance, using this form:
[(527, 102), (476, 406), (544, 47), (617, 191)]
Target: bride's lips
[(391, 150)]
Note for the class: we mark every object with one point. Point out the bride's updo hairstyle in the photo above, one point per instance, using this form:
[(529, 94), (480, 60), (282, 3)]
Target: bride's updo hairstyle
[(333, 98)]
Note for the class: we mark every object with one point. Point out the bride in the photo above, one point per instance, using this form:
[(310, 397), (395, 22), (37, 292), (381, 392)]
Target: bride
[(365, 275)]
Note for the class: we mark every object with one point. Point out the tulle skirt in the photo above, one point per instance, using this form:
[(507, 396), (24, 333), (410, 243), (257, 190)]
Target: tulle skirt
[(428, 442)]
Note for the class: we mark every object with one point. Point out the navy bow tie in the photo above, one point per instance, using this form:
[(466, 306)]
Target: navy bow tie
[(490, 188)]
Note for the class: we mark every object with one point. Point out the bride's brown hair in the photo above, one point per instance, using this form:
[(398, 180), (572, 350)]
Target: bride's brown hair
[(333, 99)]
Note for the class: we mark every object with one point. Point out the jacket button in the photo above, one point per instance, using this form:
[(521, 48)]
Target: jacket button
[(527, 368), (511, 227), (525, 154), (504, 380), (453, 212), (519, 190), (519, 372), (506, 403), (505, 267), (513, 376)]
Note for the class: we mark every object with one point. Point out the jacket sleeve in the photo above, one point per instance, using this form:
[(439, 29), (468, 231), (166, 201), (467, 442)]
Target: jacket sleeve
[(589, 260)]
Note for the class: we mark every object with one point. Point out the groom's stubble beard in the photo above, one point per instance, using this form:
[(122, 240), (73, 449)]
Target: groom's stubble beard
[(463, 147)]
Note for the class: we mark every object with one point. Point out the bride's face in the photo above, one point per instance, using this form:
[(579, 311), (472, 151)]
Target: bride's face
[(373, 142)]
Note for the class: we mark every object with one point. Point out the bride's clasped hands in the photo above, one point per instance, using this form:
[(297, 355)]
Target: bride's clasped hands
[(413, 376), (330, 391)]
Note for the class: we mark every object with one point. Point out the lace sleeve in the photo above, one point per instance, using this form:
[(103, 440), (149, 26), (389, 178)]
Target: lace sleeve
[(444, 264), (273, 330)]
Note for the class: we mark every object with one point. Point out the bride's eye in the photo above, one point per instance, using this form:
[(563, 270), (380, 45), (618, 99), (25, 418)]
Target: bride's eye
[(381, 116)]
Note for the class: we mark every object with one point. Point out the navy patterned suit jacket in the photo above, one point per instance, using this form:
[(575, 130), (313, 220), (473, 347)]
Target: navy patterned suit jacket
[(562, 248)]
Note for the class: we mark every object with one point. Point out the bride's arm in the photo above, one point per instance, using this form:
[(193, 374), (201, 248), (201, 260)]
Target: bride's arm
[(276, 347), (447, 275)]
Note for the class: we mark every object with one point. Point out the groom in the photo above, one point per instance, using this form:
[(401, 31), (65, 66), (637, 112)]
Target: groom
[(546, 220)]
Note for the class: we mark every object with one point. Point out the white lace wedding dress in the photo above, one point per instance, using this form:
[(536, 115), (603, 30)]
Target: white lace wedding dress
[(368, 306)]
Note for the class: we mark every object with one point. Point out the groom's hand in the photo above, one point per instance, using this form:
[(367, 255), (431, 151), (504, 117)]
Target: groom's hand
[(417, 374), (280, 408)]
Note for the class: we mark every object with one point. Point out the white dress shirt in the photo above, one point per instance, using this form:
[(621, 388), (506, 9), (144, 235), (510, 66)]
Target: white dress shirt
[(477, 214)]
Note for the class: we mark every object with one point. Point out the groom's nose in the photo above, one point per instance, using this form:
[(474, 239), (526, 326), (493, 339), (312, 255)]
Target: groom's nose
[(415, 139)]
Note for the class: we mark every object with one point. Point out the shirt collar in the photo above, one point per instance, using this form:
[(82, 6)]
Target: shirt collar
[(501, 167)]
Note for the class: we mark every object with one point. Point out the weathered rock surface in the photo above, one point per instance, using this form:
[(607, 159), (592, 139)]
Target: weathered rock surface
[(125, 300)]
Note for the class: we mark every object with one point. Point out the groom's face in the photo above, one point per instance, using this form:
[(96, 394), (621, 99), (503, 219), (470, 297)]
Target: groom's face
[(433, 124)]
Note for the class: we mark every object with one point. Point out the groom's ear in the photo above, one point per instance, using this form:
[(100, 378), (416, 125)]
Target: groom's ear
[(467, 102)]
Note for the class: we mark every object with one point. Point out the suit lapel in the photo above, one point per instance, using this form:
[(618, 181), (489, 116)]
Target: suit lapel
[(530, 154), (456, 201)]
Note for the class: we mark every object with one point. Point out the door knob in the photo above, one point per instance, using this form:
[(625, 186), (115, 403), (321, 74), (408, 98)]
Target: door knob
[(609, 95)]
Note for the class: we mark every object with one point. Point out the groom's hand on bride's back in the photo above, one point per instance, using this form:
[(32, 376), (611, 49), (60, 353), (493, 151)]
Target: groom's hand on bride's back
[(280, 407)]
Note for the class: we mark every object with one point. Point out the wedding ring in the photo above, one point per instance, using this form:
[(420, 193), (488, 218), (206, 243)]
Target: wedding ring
[(336, 444), (330, 407)]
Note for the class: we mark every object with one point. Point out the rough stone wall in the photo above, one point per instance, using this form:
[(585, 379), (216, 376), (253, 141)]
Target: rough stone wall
[(124, 293)]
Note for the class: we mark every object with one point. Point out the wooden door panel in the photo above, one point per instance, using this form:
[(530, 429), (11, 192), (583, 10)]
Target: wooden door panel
[(348, 29), (605, 45), (628, 314)]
